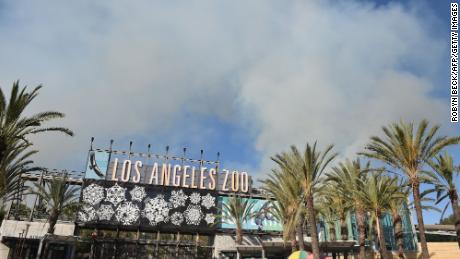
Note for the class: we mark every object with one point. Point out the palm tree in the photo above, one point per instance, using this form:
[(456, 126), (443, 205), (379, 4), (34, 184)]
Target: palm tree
[(283, 215), (238, 210), (348, 178), (379, 191), (59, 196), (14, 126), (408, 150), (307, 168), (443, 178), (329, 216), (338, 204), (16, 162), (396, 205), (287, 191)]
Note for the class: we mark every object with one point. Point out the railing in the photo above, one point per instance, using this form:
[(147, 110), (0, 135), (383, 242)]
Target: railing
[(26, 206)]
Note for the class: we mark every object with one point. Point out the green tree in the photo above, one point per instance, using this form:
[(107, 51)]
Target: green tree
[(341, 207), (238, 210), (282, 213), (289, 208), (378, 192), (59, 197), (443, 177), (396, 205), (307, 168), (15, 128), (348, 178), (329, 216), (15, 163), (336, 205), (408, 150), (449, 220)]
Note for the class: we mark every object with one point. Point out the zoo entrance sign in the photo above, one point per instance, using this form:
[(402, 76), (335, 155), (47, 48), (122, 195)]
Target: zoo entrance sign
[(161, 170)]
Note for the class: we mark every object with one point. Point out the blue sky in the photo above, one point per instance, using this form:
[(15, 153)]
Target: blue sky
[(246, 79)]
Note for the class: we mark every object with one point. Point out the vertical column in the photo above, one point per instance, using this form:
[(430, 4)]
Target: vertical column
[(263, 253), (177, 244), (157, 244), (197, 243)]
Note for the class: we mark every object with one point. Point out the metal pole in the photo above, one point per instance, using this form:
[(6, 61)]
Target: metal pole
[(157, 244), (31, 217), (40, 246), (177, 244), (109, 159), (217, 163), (197, 243)]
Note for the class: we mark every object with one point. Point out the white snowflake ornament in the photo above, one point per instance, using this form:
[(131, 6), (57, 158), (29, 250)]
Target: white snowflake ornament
[(105, 212), (195, 198), (193, 214), (210, 218), (156, 210), (115, 194), (138, 193), (177, 218), (93, 194), (178, 198), (208, 201), (87, 213), (127, 213)]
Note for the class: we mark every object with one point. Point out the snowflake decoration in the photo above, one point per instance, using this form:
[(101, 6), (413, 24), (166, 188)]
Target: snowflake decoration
[(138, 193), (93, 194), (177, 218), (156, 210), (193, 214), (208, 201), (115, 194), (105, 212), (195, 198), (178, 198), (210, 218), (127, 213), (87, 213)]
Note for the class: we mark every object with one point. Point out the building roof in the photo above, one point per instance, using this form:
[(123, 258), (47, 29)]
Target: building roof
[(438, 227), (442, 230)]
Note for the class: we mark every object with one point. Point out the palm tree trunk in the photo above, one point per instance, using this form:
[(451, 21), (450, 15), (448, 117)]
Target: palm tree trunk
[(332, 232), (239, 236), (343, 228), (399, 235), (313, 230), (344, 231), (381, 235), (299, 230), (2, 148), (52, 220), (421, 225), (293, 242), (456, 210), (362, 233)]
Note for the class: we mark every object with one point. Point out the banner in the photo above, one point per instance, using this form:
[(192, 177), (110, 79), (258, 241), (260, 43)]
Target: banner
[(264, 221), (107, 203)]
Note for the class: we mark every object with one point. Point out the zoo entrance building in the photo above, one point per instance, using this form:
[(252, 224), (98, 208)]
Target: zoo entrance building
[(145, 205)]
